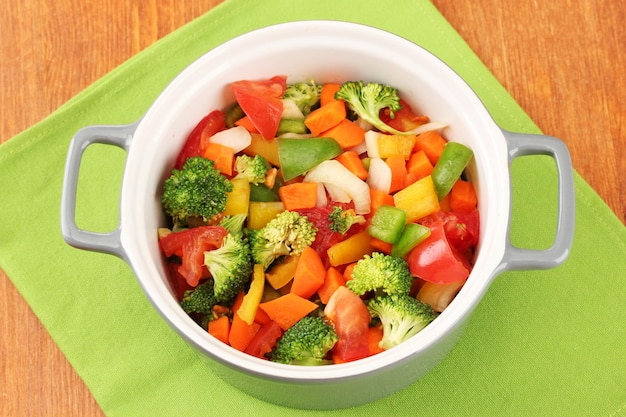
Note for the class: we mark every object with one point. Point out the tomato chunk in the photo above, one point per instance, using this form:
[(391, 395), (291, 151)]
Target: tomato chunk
[(209, 125), (261, 102), (264, 340), (350, 318)]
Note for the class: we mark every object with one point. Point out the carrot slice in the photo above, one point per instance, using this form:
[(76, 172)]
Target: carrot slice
[(246, 123), (220, 328), (309, 275), (288, 309), (299, 195), (347, 133), (352, 161), (241, 333), (397, 165), (432, 143), (328, 93), (374, 336), (333, 280), (379, 198), (463, 196), (419, 165), (223, 157), (347, 273), (380, 245), (325, 117)]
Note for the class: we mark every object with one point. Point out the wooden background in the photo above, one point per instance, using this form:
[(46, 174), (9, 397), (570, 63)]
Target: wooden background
[(563, 61)]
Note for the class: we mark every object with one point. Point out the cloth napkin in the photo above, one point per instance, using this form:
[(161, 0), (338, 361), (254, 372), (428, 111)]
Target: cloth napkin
[(540, 342)]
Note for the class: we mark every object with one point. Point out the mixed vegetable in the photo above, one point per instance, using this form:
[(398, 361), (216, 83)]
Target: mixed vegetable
[(314, 224)]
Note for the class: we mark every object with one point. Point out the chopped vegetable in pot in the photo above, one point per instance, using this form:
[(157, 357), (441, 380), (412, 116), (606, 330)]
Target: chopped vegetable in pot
[(318, 223)]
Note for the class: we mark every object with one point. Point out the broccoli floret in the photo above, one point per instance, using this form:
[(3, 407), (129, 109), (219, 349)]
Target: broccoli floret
[(341, 221), (230, 266), (367, 100), (381, 273), (197, 189), (305, 95), (401, 316), (305, 343), (286, 234), (234, 224), (200, 299), (253, 169)]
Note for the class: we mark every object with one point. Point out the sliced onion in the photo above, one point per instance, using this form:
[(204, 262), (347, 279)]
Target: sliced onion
[(379, 177), (337, 194), (333, 173), (427, 127), (237, 138), (360, 148), (371, 143), (291, 110), (322, 199)]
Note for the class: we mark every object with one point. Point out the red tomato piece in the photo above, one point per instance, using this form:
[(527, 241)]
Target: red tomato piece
[(190, 245), (435, 260), (350, 318), (264, 340), (403, 119), (211, 124), (261, 102)]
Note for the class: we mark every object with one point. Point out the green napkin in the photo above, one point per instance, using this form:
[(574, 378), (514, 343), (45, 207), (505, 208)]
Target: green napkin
[(540, 343)]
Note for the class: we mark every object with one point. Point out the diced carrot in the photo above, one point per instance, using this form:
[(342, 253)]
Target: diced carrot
[(325, 117), (328, 93), (299, 195), (419, 165), (432, 143), (309, 275), (347, 133), (397, 165), (381, 246), (223, 157), (220, 328), (352, 161), (288, 309), (261, 317), (241, 333), (374, 336), (333, 280), (246, 123), (379, 198), (444, 203), (463, 196), (347, 273)]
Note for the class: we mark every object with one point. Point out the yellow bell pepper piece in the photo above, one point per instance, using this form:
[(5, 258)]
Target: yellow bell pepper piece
[(252, 299), (418, 199), (351, 249), (238, 200), (393, 145), (261, 212), (283, 272)]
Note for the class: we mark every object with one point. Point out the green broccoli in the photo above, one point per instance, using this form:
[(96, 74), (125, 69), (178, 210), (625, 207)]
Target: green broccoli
[(341, 221), (200, 299), (305, 343), (381, 273), (305, 95), (367, 100), (230, 266), (253, 169), (286, 234), (401, 316), (196, 190), (234, 224)]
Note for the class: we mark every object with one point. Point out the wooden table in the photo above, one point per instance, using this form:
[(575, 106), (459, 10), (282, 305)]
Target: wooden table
[(563, 63)]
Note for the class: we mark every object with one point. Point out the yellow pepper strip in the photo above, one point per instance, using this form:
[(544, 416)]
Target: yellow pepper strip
[(418, 199), (351, 249), (282, 273), (252, 299), (238, 200)]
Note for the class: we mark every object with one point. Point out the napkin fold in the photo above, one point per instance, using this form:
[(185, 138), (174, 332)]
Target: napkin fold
[(540, 342)]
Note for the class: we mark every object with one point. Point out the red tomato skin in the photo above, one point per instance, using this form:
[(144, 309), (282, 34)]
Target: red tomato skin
[(212, 123), (404, 119), (350, 318), (435, 260), (264, 340), (261, 102)]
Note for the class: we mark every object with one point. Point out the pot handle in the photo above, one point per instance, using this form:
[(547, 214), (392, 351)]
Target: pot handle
[(521, 144), (116, 135)]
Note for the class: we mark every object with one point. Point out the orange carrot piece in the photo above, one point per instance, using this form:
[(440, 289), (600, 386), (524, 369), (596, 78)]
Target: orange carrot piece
[(419, 165), (328, 93), (241, 333), (309, 275), (354, 164), (432, 143), (347, 133), (397, 164), (381, 246), (325, 117), (347, 273), (299, 195), (246, 123), (444, 204), (223, 157), (379, 198), (374, 336), (220, 328), (333, 280), (463, 196), (261, 317), (288, 309)]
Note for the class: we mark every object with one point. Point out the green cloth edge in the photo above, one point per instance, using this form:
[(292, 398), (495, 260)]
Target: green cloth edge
[(457, 386)]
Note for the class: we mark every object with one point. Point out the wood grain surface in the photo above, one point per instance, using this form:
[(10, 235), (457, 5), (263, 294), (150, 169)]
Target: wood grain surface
[(562, 61)]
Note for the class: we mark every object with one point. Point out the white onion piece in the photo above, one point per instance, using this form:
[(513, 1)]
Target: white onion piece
[(322, 199), (379, 177), (337, 194), (291, 110), (332, 172), (237, 138), (371, 143), (427, 127), (360, 148)]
